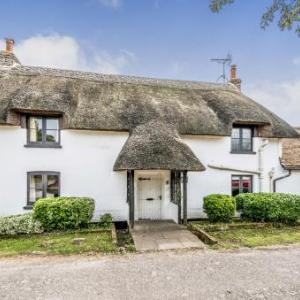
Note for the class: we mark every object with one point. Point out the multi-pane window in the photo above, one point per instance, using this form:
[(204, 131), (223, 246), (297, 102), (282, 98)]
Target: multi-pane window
[(241, 184), (43, 131), (242, 139), (41, 185)]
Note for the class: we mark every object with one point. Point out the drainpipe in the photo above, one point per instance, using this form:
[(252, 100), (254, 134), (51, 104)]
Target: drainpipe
[(280, 178), (260, 163), (271, 176)]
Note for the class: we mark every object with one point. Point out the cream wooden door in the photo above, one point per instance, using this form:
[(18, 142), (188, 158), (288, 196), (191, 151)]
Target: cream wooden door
[(149, 189)]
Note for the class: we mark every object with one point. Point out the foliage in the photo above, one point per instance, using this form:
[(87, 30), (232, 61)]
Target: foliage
[(288, 11), (219, 208), (106, 220), (269, 207), (20, 224), (240, 200), (64, 212)]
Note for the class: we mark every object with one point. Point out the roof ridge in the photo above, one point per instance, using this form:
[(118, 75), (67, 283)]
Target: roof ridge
[(84, 75)]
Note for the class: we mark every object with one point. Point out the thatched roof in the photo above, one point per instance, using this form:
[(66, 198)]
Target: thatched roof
[(156, 145), (113, 102), (291, 153)]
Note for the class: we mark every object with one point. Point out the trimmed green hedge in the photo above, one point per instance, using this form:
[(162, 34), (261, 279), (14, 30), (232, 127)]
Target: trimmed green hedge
[(19, 224), (269, 207), (64, 212), (219, 208)]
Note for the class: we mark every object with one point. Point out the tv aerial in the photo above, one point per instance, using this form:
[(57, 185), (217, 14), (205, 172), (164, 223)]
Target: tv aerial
[(223, 61)]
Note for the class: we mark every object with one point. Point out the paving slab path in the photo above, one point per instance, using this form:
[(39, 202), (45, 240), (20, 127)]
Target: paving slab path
[(163, 235), (193, 274)]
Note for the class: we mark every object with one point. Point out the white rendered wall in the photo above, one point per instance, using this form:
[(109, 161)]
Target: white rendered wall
[(216, 151), (85, 163), (290, 184)]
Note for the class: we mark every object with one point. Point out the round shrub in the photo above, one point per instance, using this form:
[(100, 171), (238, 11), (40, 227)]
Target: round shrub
[(270, 207), (239, 199), (219, 208), (64, 212)]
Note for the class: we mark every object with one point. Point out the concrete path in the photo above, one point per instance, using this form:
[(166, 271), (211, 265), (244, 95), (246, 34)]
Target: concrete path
[(193, 274), (163, 235)]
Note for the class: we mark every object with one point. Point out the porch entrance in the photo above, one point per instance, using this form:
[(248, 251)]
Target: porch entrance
[(149, 197)]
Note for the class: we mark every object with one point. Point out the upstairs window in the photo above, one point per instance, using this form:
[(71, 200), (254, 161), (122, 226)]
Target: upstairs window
[(242, 139), (43, 131), (241, 184), (42, 185)]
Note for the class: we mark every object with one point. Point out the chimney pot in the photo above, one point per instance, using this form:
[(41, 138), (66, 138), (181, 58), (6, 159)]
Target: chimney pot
[(10, 45), (233, 78), (233, 72)]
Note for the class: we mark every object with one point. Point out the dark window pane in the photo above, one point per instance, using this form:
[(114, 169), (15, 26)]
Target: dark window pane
[(35, 188), (246, 144), (246, 185), (52, 136), (247, 133), (52, 123), (52, 186), (235, 144), (235, 133), (36, 129)]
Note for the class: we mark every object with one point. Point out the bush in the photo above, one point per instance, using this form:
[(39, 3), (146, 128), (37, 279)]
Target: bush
[(64, 212), (239, 199), (106, 221), (219, 208), (19, 224), (269, 207)]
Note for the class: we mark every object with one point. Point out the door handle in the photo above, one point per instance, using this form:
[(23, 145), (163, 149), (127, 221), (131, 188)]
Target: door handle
[(149, 199)]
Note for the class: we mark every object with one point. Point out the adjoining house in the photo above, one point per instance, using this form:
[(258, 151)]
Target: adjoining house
[(291, 162), (142, 148)]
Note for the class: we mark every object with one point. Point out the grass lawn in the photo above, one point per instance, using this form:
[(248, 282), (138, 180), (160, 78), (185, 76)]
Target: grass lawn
[(253, 237), (58, 243)]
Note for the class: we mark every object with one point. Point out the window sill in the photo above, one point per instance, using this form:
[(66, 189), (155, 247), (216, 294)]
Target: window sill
[(243, 152), (42, 146), (28, 207)]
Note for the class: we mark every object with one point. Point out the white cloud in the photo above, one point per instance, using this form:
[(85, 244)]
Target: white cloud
[(282, 98), (65, 52), (111, 3)]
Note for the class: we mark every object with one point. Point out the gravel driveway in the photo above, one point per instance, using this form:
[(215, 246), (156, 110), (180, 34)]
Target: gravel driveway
[(247, 274)]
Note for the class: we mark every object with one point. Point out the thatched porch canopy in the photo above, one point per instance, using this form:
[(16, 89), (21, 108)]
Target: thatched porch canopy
[(156, 145)]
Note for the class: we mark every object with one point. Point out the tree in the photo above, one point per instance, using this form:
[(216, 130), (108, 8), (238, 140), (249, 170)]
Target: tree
[(287, 10)]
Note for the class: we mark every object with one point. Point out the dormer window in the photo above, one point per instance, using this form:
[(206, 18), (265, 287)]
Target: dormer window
[(242, 139), (43, 131)]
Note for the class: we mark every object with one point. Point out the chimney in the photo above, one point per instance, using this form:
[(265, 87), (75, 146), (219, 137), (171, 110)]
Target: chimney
[(10, 45), (236, 81)]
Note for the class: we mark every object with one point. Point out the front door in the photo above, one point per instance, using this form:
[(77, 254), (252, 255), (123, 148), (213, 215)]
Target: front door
[(150, 197)]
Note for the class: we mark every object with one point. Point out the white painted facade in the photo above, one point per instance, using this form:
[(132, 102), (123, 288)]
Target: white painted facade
[(86, 160)]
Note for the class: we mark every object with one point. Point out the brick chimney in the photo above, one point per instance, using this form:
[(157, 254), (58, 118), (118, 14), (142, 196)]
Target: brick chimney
[(9, 45), (233, 79)]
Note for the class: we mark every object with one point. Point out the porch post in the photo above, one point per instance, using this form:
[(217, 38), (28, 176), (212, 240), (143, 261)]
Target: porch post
[(178, 194), (184, 179), (130, 196)]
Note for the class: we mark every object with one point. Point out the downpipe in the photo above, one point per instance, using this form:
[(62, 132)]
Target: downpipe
[(261, 163), (280, 178)]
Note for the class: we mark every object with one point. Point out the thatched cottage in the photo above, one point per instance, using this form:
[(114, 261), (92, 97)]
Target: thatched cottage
[(142, 148)]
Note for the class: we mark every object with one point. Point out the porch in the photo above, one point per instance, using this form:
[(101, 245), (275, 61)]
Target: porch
[(156, 195)]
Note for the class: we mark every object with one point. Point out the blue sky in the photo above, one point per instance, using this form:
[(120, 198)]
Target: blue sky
[(160, 38)]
